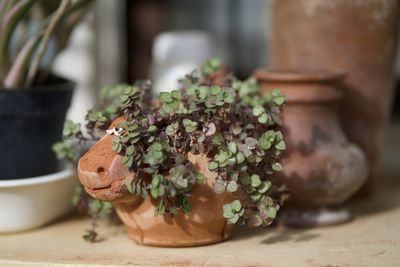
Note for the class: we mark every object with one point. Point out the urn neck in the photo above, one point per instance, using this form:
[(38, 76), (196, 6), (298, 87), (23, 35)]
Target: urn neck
[(302, 86)]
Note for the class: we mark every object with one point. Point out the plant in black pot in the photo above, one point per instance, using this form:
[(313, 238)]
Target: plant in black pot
[(33, 103)]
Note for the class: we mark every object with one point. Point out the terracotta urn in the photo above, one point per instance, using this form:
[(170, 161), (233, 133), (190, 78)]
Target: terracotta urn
[(360, 37), (103, 175), (321, 168)]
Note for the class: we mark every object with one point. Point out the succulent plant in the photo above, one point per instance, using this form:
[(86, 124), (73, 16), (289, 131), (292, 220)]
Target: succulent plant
[(234, 125)]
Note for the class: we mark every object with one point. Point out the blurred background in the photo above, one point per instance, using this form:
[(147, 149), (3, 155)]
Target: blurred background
[(122, 41), (116, 42)]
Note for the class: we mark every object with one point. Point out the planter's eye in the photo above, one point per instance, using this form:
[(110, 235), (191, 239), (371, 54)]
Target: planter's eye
[(116, 131)]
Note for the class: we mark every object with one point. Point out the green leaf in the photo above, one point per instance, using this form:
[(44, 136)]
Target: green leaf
[(190, 126), (264, 187), (176, 94), (160, 210), (281, 145), (200, 178), (155, 181), (231, 161), (215, 89), (255, 220), (276, 92), (166, 97), (250, 142), (234, 176), (255, 180), (245, 179), (222, 156), (213, 166), (186, 206), (117, 146), (157, 146), (211, 66), (240, 157), (232, 147), (279, 100), (229, 99), (124, 98), (71, 129), (258, 110), (131, 187), (263, 118), (128, 161), (152, 128), (236, 205), (232, 186), (271, 212), (130, 150), (219, 186), (217, 139), (172, 128), (227, 211), (166, 147), (276, 166), (264, 142), (161, 190), (234, 219), (154, 192), (167, 108), (255, 196)]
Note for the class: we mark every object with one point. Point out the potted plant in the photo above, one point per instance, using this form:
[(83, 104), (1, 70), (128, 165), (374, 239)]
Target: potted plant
[(33, 103), (182, 169)]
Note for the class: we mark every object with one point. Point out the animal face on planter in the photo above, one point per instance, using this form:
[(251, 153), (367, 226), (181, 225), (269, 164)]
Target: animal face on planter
[(182, 169)]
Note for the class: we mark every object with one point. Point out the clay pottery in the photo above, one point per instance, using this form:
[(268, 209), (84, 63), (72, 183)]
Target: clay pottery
[(357, 36), (103, 175), (321, 168)]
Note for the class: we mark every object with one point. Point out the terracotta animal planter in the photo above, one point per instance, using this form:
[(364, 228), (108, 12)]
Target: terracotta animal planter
[(360, 37), (320, 167), (103, 175)]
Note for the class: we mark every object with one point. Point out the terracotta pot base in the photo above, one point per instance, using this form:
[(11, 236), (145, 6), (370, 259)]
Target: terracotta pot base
[(313, 217), (177, 243), (167, 231)]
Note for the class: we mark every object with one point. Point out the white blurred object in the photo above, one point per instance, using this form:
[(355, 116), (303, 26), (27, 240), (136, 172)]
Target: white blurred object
[(32, 202), (176, 54), (76, 64)]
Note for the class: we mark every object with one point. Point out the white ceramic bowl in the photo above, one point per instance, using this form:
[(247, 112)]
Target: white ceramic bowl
[(32, 202)]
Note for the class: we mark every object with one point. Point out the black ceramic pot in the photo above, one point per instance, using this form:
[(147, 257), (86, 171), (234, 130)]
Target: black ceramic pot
[(31, 121)]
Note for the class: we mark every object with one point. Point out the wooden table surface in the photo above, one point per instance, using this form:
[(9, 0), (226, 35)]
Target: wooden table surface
[(372, 238)]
